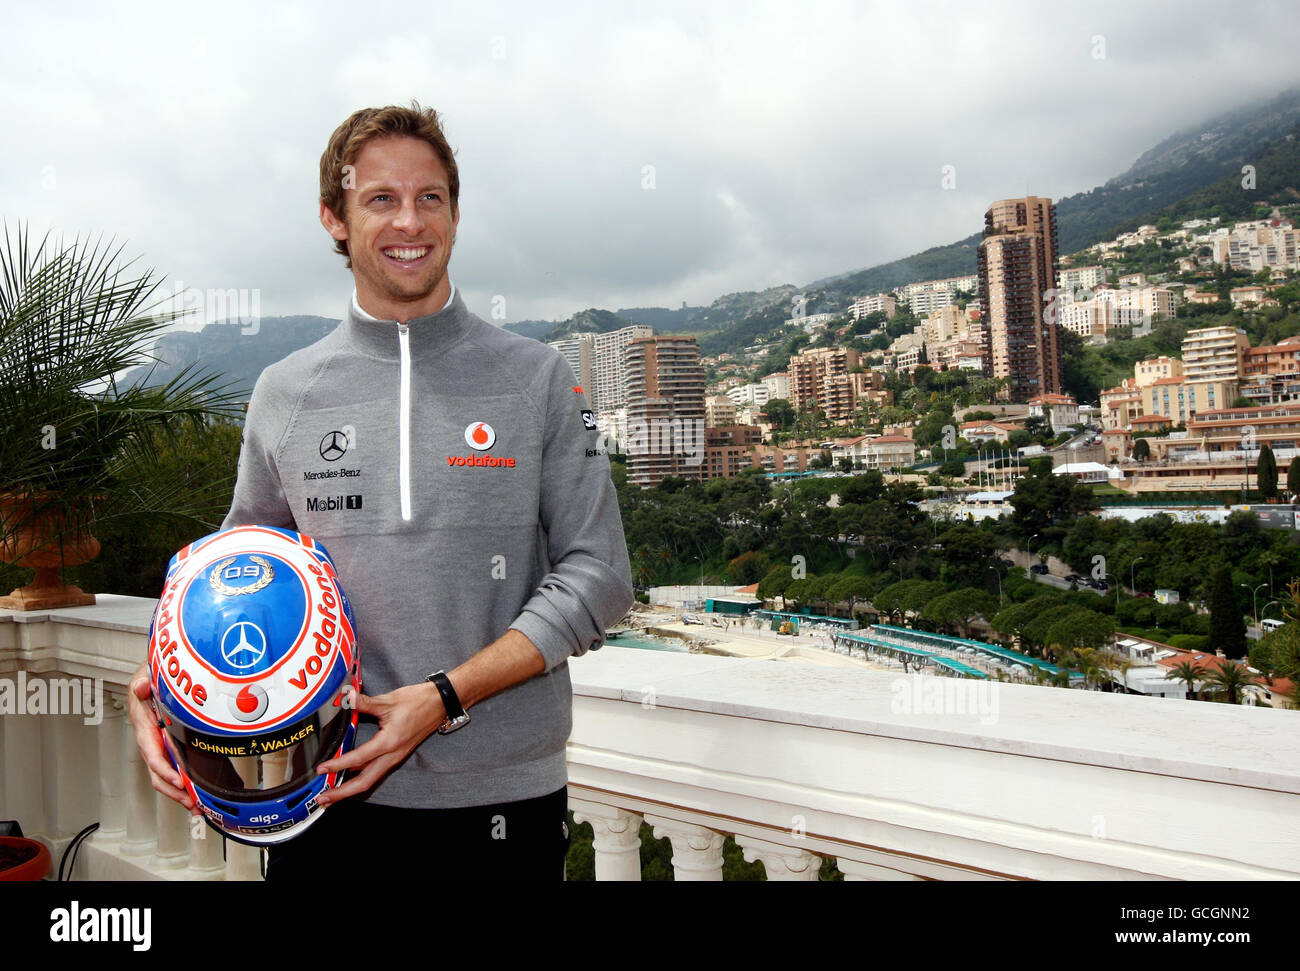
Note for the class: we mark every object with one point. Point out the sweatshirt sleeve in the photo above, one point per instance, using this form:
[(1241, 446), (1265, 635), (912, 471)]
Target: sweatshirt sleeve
[(259, 498), (589, 586)]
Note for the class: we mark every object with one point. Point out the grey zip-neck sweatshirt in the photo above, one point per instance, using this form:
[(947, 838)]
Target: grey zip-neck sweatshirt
[(453, 471)]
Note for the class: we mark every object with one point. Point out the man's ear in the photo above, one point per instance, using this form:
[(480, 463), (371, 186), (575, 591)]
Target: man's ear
[(333, 225)]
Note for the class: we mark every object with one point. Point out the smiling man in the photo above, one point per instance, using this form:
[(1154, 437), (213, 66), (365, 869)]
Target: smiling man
[(446, 466)]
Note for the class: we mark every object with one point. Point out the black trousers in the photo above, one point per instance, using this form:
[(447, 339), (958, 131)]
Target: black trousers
[(525, 840)]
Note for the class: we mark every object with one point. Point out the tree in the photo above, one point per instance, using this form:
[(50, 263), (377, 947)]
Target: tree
[(1293, 479), (1188, 673), (1080, 629), (1230, 680), (779, 412), (1266, 472), (853, 589), (1227, 630), (959, 608), (1141, 450)]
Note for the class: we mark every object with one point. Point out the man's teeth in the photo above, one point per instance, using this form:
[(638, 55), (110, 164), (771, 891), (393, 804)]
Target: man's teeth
[(406, 254)]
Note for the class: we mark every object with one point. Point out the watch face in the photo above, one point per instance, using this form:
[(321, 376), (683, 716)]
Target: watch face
[(451, 724)]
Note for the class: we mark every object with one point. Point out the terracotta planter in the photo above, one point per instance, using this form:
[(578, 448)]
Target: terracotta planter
[(36, 543), (23, 859)]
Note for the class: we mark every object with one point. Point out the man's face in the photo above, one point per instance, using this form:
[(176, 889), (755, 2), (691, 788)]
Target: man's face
[(399, 227)]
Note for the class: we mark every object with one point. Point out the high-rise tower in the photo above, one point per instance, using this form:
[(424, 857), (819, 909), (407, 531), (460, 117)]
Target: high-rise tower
[(1017, 269)]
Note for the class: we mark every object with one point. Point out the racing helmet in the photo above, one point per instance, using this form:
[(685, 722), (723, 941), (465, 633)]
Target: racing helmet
[(253, 661)]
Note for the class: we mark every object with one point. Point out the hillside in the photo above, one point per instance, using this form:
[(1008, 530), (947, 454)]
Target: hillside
[(663, 320), (1167, 180), (1277, 182), (224, 349)]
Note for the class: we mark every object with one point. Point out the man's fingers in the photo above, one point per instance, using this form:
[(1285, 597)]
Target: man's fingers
[(360, 783), (171, 792), (365, 704), (373, 749)]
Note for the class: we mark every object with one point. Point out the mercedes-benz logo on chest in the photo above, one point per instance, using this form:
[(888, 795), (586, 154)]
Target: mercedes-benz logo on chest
[(334, 445)]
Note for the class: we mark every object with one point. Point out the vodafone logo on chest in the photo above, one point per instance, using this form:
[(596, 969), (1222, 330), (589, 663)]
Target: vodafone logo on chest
[(480, 436)]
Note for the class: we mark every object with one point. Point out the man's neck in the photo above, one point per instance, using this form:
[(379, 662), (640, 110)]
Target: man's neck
[(376, 308)]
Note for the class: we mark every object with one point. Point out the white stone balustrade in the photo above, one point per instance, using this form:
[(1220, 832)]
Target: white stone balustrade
[(893, 778)]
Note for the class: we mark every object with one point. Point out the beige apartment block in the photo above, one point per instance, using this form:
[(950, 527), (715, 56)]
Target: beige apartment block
[(1214, 353), (1178, 399), (1156, 369)]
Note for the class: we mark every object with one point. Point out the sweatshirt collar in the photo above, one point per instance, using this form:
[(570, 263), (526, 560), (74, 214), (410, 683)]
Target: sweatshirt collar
[(356, 306), (426, 335)]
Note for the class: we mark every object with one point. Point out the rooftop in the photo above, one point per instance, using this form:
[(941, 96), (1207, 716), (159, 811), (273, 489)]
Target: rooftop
[(895, 776)]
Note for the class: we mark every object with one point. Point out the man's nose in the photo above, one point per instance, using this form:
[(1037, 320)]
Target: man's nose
[(408, 218)]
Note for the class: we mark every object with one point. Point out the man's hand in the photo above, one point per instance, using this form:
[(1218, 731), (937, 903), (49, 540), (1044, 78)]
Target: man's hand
[(407, 717), (410, 714), (162, 776)]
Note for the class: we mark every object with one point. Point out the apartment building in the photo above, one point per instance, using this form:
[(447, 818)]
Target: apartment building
[(1087, 318), (750, 394), (1178, 399), (1259, 245), (729, 450), (609, 367), (719, 410), (1121, 404), (1061, 410), (1074, 278), (814, 384), (930, 295), (778, 386), (1155, 369), (1214, 353), (944, 324), (579, 350), (872, 304), (1271, 358), (988, 431), (1017, 267), (665, 409), (881, 452)]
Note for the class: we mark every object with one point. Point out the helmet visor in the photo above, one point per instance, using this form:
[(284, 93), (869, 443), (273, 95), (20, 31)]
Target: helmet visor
[(255, 768)]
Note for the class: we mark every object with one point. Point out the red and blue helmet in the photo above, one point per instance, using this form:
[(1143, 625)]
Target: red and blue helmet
[(253, 660)]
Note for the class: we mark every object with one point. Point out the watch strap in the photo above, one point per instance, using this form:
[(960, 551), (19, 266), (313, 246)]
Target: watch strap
[(457, 717)]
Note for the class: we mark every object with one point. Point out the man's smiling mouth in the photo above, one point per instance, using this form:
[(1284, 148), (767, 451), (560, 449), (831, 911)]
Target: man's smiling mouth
[(406, 254)]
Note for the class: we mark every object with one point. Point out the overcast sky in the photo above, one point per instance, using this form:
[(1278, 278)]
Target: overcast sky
[(788, 142)]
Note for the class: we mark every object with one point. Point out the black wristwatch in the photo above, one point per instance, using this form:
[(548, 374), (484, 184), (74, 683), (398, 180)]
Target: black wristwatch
[(457, 716)]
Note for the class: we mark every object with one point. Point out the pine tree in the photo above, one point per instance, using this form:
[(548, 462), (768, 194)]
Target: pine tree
[(1266, 473), (1227, 630), (1293, 479)]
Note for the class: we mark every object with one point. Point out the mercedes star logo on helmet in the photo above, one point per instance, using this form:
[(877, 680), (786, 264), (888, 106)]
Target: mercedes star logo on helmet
[(334, 445), (243, 644)]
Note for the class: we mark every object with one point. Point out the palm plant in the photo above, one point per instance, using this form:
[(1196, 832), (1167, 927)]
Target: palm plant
[(78, 445), (1229, 680), (1188, 672)]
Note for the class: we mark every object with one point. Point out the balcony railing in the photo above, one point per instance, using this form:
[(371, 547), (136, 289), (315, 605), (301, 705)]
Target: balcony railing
[(895, 777)]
